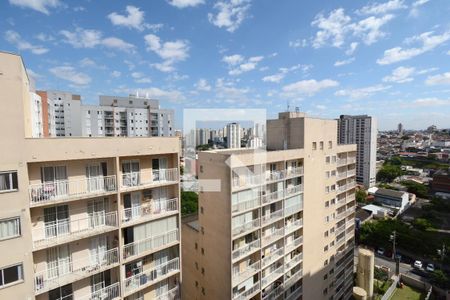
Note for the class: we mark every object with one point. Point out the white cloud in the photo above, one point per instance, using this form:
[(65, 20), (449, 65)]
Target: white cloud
[(414, 12), (321, 106), (133, 19), (202, 85), (298, 43), (238, 64), (369, 29), (140, 77), (70, 74), (228, 91), (44, 37), (381, 8), (38, 5), (352, 48), (400, 75), (87, 62), (308, 87), (427, 40), (171, 52), (160, 94), (116, 74), (275, 78), (362, 92), (33, 74), (90, 38), (427, 102), (344, 62), (15, 39), (185, 3), (230, 14), (443, 78)]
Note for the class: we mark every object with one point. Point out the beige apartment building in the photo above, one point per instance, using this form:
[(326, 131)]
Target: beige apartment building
[(84, 218), (279, 224)]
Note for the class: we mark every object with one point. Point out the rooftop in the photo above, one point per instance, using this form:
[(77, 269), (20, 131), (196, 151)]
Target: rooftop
[(389, 193)]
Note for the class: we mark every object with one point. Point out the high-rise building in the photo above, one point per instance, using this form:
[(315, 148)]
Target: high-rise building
[(400, 129), (233, 135), (84, 218), (362, 131), (279, 224)]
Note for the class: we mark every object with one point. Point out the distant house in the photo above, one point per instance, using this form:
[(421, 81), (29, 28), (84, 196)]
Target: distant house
[(390, 198), (441, 182)]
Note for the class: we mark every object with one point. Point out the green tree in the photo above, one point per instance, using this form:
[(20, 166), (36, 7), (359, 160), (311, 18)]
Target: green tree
[(189, 202), (361, 196), (416, 188), (422, 224), (388, 173), (440, 279)]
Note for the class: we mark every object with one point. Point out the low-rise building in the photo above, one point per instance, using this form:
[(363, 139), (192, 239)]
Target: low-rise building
[(391, 198)]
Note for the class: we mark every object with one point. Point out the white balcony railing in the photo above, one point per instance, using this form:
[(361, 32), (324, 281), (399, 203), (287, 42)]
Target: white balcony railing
[(151, 276), (110, 292), (294, 171), (60, 231), (66, 272), (152, 210), (351, 173), (292, 190), (246, 205), (272, 197), (351, 160), (293, 278), (149, 177), (272, 236), (341, 161), (274, 294), (296, 294), (241, 228), (246, 249), (54, 191), (292, 226), (294, 244), (247, 293), (266, 280), (275, 175), (169, 295), (272, 257), (293, 262), (149, 244), (246, 273), (241, 181), (268, 218), (339, 229), (292, 209)]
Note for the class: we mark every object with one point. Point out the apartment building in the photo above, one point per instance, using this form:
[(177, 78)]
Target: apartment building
[(234, 135), (84, 218), (279, 224), (362, 131)]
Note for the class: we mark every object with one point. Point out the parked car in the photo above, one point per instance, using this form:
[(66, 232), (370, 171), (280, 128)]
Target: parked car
[(380, 251), (430, 268), (418, 264)]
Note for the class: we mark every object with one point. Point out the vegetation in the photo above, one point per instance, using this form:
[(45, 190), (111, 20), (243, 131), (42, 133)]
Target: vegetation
[(361, 196), (418, 189), (189, 202), (438, 204), (407, 293), (380, 287), (203, 147), (423, 224), (440, 279), (389, 172), (181, 170)]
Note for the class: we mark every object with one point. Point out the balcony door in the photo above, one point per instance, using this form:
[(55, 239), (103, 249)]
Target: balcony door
[(98, 283), (57, 221), (58, 261), (162, 288), (54, 179), (97, 212), (61, 293), (160, 166), (98, 249), (94, 174), (159, 203), (130, 171)]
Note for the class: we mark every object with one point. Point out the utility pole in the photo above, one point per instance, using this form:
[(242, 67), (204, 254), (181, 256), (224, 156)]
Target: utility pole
[(393, 238)]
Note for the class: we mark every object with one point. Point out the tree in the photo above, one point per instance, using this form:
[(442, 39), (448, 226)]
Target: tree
[(189, 202), (361, 196), (440, 279), (422, 224), (388, 173), (416, 188)]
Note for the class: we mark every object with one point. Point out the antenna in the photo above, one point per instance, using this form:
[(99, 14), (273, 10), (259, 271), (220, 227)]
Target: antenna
[(287, 104)]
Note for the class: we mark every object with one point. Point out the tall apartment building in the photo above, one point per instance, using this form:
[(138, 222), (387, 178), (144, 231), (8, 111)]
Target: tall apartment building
[(362, 131), (84, 218), (233, 135), (281, 223)]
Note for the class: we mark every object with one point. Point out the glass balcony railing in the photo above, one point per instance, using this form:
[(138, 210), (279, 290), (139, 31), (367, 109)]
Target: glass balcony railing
[(246, 249), (149, 177), (246, 273), (246, 227), (153, 209), (150, 244)]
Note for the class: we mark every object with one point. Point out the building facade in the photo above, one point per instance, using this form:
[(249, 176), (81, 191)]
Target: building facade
[(84, 218), (362, 131), (233, 135), (275, 224)]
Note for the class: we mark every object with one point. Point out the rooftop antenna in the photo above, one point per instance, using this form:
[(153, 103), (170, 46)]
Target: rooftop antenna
[(297, 109), (287, 104)]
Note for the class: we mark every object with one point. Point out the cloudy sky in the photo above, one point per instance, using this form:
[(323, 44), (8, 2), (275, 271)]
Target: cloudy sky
[(389, 59)]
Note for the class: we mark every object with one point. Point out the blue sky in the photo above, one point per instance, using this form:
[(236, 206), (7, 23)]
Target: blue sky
[(389, 59)]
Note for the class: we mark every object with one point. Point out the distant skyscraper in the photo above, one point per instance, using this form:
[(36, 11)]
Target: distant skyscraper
[(233, 135), (400, 128), (361, 130)]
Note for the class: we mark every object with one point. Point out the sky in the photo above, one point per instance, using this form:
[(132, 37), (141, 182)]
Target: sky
[(389, 59)]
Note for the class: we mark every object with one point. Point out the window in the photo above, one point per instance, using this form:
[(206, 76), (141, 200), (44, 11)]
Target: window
[(196, 246), (11, 274), (327, 159), (201, 209), (330, 144), (325, 249), (325, 277), (327, 189), (314, 145), (321, 145), (325, 234), (333, 159), (327, 174), (203, 251), (327, 203), (196, 283), (333, 173), (203, 271), (8, 181), (9, 228)]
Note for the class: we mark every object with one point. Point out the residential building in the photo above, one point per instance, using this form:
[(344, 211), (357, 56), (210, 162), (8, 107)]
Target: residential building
[(37, 129), (398, 200), (279, 223), (441, 182), (400, 129), (84, 218), (362, 131), (233, 135)]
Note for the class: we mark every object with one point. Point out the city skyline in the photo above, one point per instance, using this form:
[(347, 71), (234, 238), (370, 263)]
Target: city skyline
[(388, 59)]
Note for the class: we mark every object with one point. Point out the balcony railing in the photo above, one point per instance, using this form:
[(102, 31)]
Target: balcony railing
[(247, 293), (295, 294), (294, 244), (150, 244), (294, 171), (341, 175), (152, 210), (241, 181), (275, 293), (246, 249), (272, 257), (245, 205), (351, 160), (272, 236), (272, 197), (351, 173), (266, 219), (249, 270), (169, 295), (292, 209), (149, 177), (275, 175), (151, 276), (292, 279), (61, 231), (341, 161), (251, 225), (293, 262), (55, 191), (73, 270), (266, 280), (294, 190), (107, 293), (297, 224)]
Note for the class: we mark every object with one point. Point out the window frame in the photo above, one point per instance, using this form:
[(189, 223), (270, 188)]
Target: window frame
[(20, 273), (20, 228), (11, 181)]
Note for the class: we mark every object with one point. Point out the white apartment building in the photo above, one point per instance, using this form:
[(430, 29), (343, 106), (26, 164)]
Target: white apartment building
[(233, 135), (362, 131)]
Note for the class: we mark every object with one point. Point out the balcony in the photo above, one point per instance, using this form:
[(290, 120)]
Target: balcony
[(293, 226), (341, 175), (266, 280), (291, 280), (292, 209), (247, 294), (246, 249), (249, 271), (107, 293), (151, 244), (275, 293), (351, 173), (246, 227), (245, 205), (169, 295), (292, 190), (155, 209), (272, 197), (293, 262), (74, 270), (275, 175), (246, 181), (272, 257), (151, 276), (294, 244), (64, 231), (52, 192), (149, 178), (293, 172), (341, 162), (351, 160), (296, 294), (272, 217), (272, 236), (339, 229)]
